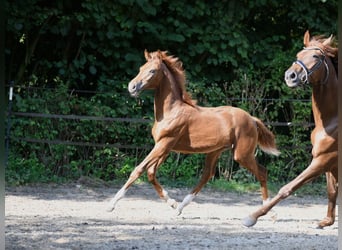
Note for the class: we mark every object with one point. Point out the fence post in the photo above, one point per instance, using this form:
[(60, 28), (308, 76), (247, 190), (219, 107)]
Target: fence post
[(9, 114)]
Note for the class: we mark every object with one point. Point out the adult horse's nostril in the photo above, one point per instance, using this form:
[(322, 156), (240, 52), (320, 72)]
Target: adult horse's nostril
[(293, 75), (303, 78), (290, 75)]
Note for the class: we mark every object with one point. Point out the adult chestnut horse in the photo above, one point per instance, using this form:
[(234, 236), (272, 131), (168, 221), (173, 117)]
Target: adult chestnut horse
[(182, 126), (316, 65)]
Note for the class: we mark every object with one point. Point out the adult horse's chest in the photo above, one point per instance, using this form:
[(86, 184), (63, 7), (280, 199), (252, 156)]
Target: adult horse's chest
[(323, 142), (324, 136)]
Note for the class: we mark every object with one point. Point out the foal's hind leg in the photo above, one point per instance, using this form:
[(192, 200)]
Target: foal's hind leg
[(332, 190), (260, 172), (208, 172)]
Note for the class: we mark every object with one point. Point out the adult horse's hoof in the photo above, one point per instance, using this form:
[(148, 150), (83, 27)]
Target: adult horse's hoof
[(110, 208), (179, 210), (249, 221), (327, 221)]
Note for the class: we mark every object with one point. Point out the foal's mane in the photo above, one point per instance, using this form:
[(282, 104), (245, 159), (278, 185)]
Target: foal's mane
[(175, 66), (331, 49)]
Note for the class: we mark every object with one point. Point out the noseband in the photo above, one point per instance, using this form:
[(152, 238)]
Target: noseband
[(308, 72)]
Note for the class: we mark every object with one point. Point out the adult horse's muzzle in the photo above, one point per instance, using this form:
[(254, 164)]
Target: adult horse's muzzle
[(294, 78), (134, 88)]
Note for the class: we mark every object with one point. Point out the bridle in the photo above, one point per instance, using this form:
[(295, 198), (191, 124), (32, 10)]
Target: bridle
[(308, 72)]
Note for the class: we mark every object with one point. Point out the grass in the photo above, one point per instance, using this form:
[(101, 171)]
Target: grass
[(315, 188)]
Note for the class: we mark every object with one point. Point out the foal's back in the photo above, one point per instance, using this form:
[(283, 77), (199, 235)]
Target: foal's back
[(209, 129)]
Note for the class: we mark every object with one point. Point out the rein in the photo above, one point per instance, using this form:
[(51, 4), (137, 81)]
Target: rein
[(308, 72)]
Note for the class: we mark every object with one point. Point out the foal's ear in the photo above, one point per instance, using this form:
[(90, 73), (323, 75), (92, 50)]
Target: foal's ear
[(306, 38), (147, 55)]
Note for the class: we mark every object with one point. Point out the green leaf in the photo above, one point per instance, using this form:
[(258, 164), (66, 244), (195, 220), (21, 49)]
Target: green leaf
[(92, 70)]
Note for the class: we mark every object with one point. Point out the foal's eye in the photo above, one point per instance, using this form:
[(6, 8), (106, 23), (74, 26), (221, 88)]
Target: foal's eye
[(315, 56), (152, 71)]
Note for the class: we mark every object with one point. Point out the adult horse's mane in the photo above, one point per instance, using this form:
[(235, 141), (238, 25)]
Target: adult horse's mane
[(331, 49), (175, 66)]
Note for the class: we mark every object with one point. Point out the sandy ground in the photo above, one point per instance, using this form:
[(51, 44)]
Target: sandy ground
[(73, 216)]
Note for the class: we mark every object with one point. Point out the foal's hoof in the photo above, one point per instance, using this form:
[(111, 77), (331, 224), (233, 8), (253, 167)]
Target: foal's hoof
[(249, 221), (172, 203)]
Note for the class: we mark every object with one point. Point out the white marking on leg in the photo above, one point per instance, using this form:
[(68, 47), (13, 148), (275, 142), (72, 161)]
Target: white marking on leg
[(171, 202), (185, 202), (119, 195)]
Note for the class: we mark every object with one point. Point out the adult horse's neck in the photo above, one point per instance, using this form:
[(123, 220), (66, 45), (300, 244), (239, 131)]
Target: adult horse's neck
[(166, 94), (324, 101)]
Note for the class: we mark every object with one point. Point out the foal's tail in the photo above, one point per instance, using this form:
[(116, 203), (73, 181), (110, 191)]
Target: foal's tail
[(266, 138)]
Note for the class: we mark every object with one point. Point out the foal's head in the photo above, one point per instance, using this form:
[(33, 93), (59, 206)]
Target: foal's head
[(159, 65), (311, 65), (149, 74)]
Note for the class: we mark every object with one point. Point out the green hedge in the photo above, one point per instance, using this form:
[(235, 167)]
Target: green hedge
[(49, 161)]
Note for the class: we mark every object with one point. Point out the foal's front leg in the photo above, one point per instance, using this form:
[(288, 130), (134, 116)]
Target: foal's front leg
[(151, 164), (151, 174)]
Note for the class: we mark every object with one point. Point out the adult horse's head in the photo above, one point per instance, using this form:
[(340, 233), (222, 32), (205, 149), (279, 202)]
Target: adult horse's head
[(311, 65), (149, 74)]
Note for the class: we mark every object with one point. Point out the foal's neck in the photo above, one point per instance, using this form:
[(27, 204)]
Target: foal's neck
[(165, 97)]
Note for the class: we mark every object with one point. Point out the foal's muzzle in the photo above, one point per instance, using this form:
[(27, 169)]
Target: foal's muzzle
[(134, 88)]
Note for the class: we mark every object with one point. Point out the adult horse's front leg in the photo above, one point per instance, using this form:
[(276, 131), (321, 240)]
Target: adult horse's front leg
[(311, 172), (151, 164), (332, 190), (208, 172)]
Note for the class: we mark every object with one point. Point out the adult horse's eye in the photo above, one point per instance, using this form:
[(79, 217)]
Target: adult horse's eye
[(315, 56), (152, 71)]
